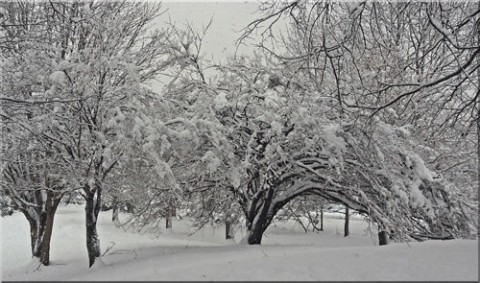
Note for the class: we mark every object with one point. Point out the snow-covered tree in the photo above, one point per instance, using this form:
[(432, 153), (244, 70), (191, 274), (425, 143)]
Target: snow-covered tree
[(88, 62), (31, 181), (32, 156), (278, 143), (413, 65), (376, 54)]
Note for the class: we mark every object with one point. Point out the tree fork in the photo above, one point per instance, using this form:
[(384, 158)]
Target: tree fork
[(264, 219)]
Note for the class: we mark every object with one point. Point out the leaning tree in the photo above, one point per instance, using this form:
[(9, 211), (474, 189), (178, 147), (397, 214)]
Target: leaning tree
[(413, 66), (282, 140)]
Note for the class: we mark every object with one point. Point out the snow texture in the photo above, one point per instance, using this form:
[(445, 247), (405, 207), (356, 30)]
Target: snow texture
[(286, 254), (58, 77), (221, 102)]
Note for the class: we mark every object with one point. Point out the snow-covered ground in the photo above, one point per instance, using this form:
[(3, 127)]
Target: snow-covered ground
[(287, 253)]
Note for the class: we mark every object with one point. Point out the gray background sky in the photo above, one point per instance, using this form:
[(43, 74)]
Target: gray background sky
[(229, 17)]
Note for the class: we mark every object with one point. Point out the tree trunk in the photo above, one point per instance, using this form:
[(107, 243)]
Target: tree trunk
[(37, 231), (229, 228), (115, 214), (45, 245), (261, 220), (115, 208), (321, 219), (168, 222), (382, 238), (255, 234), (346, 230), (50, 208), (41, 228), (171, 212), (92, 208)]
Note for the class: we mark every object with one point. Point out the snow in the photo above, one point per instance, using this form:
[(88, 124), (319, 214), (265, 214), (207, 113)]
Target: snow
[(330, 135), (221, 102), (235, 178), (212, 161), (58, 77), (287, 253), (421, 170), (273, 100), (392, 112)]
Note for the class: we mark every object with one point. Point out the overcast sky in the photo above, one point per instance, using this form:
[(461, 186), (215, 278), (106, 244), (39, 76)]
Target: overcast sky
[(229, 17)]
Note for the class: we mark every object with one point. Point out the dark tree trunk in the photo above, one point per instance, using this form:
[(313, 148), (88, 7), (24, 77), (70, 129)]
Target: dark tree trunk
[(38, 221), (346, 230), (168, 222), (260, 220), (45, 250), (261, 209), (37, 230), (92, 208), (33, 237), (50, 208), (382, 238), (229, 228), (170, 212), (115, 208), (255, 235), (129, 207), (115, 214), (41, 230), (321, 219)]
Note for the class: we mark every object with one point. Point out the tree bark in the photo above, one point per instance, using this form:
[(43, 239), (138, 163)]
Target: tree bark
[(37, 231), (51, 206), (168, 222), (255, 235), (346, 230), (92, 208), (321, 219), (229, 228), (171, 212), (261, 220), (382, 238), (115, 209), (41, 230)]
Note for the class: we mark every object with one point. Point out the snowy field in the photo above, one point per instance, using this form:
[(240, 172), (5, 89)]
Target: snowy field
[(287, 253)]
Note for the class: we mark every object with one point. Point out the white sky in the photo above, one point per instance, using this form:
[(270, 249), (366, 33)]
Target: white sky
[(229, 17)]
